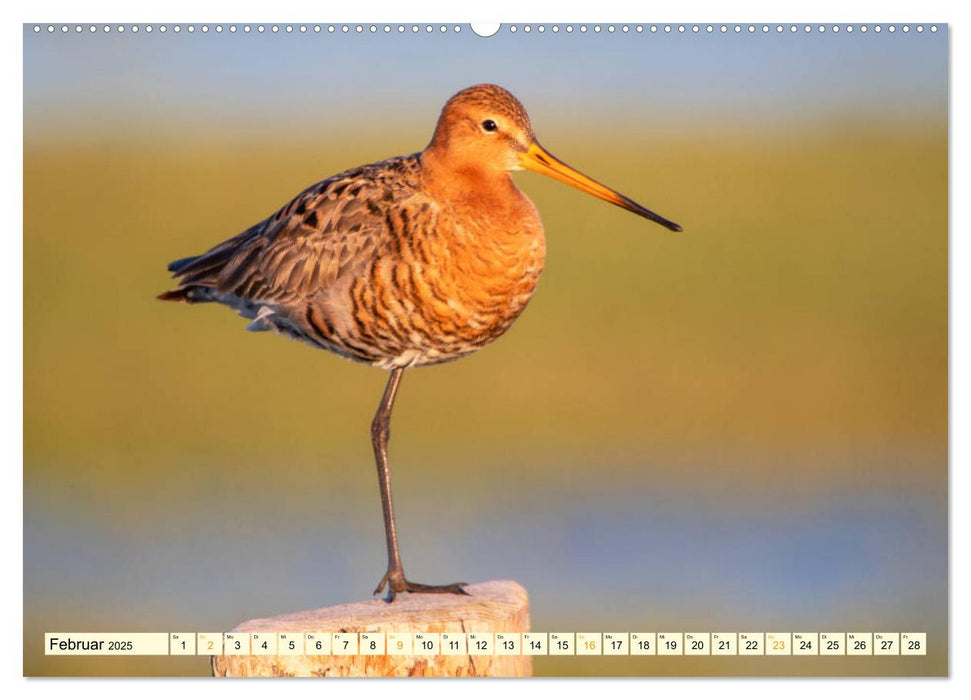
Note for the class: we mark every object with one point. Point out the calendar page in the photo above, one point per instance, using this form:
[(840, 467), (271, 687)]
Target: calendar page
[(648, 321)]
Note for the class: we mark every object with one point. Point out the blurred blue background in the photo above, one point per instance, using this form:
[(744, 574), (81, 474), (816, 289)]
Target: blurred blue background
[(319, 81)]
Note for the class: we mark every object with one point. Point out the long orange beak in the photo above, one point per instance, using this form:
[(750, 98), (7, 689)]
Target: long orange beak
[(538, 159)]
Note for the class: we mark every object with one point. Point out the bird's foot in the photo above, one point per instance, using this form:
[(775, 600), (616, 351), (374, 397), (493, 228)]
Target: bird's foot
[(397, 583)]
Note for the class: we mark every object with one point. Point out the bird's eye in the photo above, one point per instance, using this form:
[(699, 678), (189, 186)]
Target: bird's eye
[(489, 125)]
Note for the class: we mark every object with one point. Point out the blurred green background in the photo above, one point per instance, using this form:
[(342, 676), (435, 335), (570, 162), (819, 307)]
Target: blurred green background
[(740, 427)]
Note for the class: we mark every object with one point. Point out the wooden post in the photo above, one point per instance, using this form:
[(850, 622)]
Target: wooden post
[(494, 606)]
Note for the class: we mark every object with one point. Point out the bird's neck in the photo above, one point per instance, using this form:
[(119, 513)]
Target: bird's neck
[(469, 185)]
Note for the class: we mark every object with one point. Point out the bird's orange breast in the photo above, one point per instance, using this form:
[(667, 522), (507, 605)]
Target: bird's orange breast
[(444, 289)]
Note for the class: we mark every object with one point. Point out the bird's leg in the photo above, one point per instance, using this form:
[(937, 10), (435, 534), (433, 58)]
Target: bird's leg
[(380, 431)]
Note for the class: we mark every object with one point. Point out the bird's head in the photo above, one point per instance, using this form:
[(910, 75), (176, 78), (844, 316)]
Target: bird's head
[(484, 129)]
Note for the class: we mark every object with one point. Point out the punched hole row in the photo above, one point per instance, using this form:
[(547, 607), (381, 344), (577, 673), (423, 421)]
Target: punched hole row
[(513, 28)]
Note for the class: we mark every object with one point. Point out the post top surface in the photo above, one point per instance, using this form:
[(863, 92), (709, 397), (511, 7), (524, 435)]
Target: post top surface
[(489, 603)]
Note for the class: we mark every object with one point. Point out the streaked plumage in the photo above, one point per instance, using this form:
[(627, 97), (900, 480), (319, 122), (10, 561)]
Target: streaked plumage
[(412, 261), (353, 265)]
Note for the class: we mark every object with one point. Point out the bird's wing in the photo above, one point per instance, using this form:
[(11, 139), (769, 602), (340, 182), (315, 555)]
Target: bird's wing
[(330, 230)]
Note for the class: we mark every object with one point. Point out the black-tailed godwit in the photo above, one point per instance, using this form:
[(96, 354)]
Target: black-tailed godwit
[(408, 262)]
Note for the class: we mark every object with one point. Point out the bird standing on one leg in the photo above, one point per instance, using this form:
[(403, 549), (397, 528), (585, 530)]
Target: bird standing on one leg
[(412, 261)]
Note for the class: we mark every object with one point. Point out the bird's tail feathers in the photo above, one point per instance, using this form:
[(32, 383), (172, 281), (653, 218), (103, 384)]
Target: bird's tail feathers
[(194, 294)]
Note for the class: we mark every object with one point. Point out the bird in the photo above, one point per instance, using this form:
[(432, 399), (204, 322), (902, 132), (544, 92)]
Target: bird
[(412, 261)]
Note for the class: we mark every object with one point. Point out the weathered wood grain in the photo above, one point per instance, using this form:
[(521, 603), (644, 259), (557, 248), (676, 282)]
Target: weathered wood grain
[(493, 606)]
